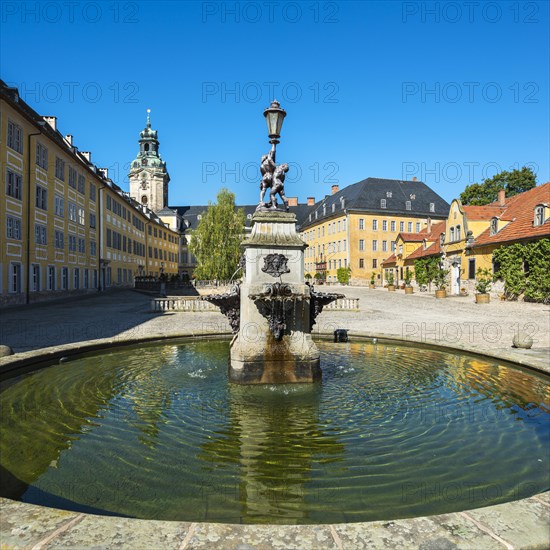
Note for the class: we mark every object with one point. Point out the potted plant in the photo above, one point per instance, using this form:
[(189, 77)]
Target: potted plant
[(440, 281), (408, 286), (372, 283), (391, 279), (484, 280)]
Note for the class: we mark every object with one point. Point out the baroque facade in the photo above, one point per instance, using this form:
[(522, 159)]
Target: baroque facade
[(68, 229)]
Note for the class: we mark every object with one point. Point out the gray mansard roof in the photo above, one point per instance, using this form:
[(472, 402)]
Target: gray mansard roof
[(190, 213), (366, 196)]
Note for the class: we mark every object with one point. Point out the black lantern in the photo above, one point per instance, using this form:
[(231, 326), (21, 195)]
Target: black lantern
[(274, 117)]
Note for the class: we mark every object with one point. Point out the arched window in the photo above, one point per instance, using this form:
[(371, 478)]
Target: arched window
[(144, 199), (146, 147), (452, 234), (539, 215), (494, 226), (457, 233)]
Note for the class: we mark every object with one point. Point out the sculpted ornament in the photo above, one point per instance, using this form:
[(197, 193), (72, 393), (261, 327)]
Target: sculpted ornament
[(275, 265)]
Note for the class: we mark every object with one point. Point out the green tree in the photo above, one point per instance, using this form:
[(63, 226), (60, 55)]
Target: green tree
[(342, 274), (216, 241), (425, 269), (514, 182)]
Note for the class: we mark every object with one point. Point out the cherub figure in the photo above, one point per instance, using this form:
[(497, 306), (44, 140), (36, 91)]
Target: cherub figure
[(267, 168), (278, 187)]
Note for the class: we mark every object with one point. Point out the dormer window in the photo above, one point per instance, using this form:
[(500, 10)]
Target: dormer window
[(333, 207), (408, 205), (539, 215), (494, 226), (388, 194), (432, 207), (382, 203)]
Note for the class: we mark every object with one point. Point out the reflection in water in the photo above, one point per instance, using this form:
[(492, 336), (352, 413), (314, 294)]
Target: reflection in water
[(274, 438), (157, 432)]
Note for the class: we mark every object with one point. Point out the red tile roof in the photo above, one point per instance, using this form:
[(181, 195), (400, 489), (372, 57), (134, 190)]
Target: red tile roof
[(520, 209), (433, 250), (390, 260), (483, 212)]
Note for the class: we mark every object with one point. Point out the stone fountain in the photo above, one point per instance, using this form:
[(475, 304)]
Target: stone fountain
[(272, 311)]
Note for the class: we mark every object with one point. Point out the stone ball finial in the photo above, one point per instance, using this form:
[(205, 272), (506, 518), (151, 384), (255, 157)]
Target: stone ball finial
[(522, 340)]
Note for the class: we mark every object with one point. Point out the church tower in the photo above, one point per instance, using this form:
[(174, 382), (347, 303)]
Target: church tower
[(148, 175)]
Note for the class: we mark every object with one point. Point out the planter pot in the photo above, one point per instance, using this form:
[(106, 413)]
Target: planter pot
[(441, 293), (391, 288), (372, 285), (409, 290), (483, 298)]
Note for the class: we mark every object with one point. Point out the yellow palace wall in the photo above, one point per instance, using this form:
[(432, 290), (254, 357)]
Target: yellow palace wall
[(54, 192)]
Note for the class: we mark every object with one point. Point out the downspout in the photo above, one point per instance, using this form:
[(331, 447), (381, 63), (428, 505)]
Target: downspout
[(28, 260), (100, 235)]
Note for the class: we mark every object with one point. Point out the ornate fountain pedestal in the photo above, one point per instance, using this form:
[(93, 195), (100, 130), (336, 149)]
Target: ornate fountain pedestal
[(274, 342)]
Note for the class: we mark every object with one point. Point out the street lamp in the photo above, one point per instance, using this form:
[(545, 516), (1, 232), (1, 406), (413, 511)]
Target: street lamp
[(274, 117)]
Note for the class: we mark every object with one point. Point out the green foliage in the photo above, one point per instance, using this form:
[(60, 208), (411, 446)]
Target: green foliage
[(216, 241), (342, 274), (318, 276), (525, 269), (440, 278), (425, 269), (308, 276), (407, 278), (390, 277), (514, 182), (372, 278), (484, 279)]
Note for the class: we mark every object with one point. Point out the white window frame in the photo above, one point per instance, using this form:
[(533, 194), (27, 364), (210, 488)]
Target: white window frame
[(15, 137), (14, 183), (15, 278), (51, 277), (13, 228)]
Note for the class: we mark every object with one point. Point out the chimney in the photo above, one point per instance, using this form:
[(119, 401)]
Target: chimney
[(335, 189), (104, 172), (310, 201), (502, 197), (292, 201), (69, 139), (52, 121), (414, 178), (87, 155)]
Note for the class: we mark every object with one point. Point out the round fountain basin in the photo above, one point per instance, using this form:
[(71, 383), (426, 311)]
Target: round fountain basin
[(392, 431)]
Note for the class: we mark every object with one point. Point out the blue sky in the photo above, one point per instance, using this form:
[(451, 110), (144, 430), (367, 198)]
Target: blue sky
[(449, 92)]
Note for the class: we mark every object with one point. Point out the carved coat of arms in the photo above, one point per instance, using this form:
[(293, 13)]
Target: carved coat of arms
[(275, 265)]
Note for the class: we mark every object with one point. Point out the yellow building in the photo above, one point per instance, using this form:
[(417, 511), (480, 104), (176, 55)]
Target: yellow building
[(413, 246), (466, 241), (357, 226), (67, 228)]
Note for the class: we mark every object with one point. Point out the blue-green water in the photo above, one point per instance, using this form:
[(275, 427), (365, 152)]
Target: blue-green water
[(158, 432)]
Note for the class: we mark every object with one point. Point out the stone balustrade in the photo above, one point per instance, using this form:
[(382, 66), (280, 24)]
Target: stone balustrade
[(342, 304), (185, 303)]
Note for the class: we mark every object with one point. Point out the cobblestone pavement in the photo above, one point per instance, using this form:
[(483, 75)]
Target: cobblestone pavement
[(454, 321)]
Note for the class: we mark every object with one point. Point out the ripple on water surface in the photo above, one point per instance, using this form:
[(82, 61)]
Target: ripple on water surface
[(157, 432)]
